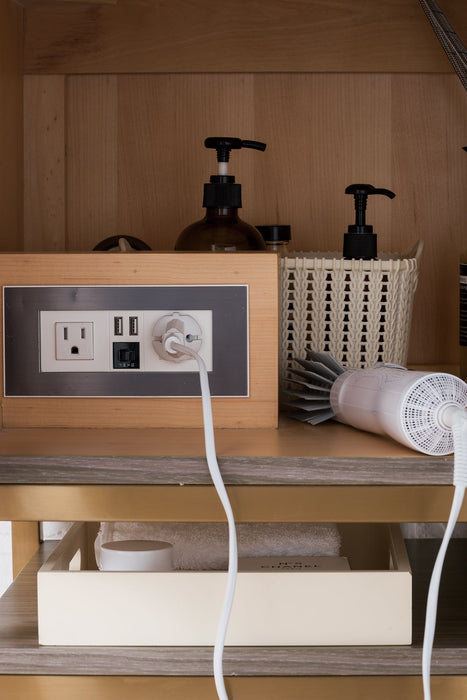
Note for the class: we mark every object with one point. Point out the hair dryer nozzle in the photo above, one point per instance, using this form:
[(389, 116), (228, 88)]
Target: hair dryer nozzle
[(406, 405)]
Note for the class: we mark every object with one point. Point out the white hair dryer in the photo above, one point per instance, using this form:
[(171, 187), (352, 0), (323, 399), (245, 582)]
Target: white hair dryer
[(423, 410), (414, 408)]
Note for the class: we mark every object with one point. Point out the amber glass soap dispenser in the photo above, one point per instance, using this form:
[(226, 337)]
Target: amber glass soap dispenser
[(222, 229)]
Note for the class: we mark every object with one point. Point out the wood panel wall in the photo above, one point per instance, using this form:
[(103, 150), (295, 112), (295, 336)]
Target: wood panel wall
[(11, 133), (258, 272), (123, 154), (119, 99), (147, 36)]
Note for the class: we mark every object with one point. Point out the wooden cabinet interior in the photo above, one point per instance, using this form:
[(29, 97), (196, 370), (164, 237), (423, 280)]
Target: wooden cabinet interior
[(118, 99)]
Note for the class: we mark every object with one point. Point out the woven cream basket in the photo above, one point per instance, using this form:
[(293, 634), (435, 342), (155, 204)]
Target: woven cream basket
[(358, 310)]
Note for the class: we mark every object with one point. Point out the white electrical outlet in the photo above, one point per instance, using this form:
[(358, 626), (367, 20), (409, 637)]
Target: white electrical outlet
[(116, 341), (106, 340), (74, 341), (56, 351)]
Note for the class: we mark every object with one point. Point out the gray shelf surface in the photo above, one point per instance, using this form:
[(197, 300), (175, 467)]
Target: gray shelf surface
[(157, 470)]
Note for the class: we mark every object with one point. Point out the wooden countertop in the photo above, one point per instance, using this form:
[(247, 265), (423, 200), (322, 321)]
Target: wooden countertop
[(291, 439)]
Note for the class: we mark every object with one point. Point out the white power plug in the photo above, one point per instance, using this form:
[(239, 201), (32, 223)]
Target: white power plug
[(182, 329)]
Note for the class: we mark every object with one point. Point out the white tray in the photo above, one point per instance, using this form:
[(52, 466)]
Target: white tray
[(371, 604)]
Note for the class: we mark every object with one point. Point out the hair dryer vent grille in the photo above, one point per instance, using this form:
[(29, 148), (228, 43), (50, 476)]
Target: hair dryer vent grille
[(420, 409)]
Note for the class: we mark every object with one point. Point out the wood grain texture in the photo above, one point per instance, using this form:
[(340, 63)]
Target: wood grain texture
[(137, 164), (272, 503), (282, 688), (44, 167), (235, 470), (324, 132), (293, 439), (428, 173), (92, 175), (258, 271), (162, 162), (19, 652), (39, 3), (236, 36), (11, 117), (25, 541), (330, 454)]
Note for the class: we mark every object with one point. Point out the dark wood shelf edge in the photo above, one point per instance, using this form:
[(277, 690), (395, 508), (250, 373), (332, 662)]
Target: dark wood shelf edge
[(332, 471)]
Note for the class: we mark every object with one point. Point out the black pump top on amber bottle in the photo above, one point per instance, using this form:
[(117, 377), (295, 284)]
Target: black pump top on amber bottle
[(360, 242), (222, 229)]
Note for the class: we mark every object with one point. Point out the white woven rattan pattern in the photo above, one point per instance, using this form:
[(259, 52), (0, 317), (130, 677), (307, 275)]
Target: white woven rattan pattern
[(360, 311)]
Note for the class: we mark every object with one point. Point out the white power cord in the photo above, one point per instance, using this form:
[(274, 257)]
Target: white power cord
[(453, 416), (457, 418), (171, 345)]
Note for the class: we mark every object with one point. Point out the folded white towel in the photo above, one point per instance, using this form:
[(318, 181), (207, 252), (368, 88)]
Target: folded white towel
[(204, 546)]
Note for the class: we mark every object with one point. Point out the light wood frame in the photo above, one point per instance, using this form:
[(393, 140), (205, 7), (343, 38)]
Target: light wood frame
[(202, 688), (257, 270)]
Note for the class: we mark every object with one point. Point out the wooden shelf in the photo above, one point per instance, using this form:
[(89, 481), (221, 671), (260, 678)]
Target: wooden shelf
[(147, 36), (295, 454), (20, 653), (297, 473), (311, 470)]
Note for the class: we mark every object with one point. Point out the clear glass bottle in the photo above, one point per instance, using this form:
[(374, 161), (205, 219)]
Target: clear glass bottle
[(276, 237)]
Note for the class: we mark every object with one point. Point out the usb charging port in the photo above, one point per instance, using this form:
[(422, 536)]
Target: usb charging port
[(133, 325), (118, 325)]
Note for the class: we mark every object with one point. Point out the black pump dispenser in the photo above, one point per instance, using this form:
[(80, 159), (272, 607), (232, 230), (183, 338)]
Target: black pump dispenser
[(360, 242), (221, 191), (222, 229), (224, 144)]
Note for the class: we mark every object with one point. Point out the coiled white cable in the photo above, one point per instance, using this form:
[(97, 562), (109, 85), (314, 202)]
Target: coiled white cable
[(171, 345), (459, 429)]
